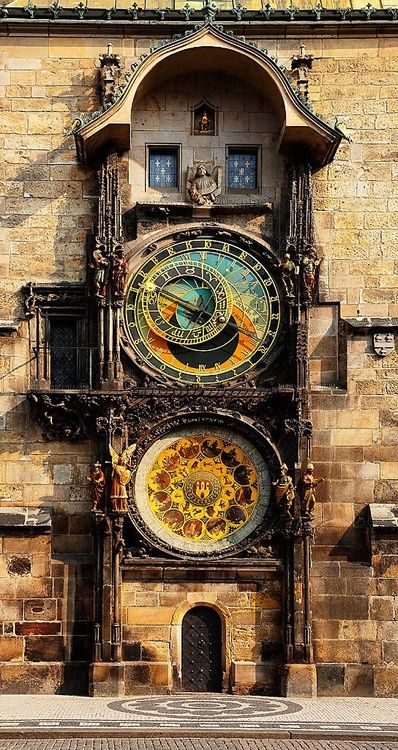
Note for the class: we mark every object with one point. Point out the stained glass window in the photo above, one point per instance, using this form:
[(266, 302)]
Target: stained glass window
[(242, 170), (163, 168)]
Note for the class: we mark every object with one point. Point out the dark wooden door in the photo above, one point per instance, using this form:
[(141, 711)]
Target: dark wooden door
[(201, 651)]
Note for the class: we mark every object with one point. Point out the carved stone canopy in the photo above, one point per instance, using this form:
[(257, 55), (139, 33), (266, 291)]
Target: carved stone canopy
[(212, 49)]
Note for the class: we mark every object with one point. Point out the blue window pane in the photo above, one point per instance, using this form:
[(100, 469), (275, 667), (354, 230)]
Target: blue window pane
[(242, 170), (163, 169)]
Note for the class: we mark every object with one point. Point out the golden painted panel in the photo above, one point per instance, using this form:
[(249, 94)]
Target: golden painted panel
[(202, 489)]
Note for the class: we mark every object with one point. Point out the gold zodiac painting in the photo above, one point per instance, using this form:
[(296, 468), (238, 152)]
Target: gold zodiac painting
[(202, 488)]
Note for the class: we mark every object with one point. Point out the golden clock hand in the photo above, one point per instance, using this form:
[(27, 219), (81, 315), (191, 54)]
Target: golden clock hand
[(184, 303), (194, 308)]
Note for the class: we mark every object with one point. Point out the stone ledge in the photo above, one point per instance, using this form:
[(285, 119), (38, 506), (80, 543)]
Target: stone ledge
[(383, 516), (25, 517), (8, 327), (370, 323)]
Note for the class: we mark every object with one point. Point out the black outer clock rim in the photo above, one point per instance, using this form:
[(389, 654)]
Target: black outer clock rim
[(154, 243), (243, 426)]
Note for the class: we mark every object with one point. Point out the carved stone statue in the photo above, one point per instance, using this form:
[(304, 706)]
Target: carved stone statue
[(100, 265), (204, 122), (306, 489), (110, 65), (119, 269), (97, 480), (287, 267), (310, 264), (284, 491), (203, 187), (121, 476)]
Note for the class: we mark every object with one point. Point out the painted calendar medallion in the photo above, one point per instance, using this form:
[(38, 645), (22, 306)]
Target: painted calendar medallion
[(203, 489)]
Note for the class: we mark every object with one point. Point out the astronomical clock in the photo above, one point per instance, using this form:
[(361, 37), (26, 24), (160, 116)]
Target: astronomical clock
[(204, 316), (184, 361), (203, 312)]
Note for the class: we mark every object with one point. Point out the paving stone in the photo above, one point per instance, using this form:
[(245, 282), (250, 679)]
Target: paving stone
[(193, 743)]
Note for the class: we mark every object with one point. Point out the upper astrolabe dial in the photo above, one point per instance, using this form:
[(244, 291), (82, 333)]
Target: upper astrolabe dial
[(202, 311)]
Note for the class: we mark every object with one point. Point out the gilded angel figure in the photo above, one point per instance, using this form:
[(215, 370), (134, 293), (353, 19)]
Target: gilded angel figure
[(121, 476)]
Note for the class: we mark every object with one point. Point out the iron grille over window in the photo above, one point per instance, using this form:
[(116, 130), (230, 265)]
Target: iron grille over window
[(163, 168), (63, 353), (242, 170)]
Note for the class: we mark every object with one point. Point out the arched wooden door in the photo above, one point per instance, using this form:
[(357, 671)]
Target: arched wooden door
[(201, 651)]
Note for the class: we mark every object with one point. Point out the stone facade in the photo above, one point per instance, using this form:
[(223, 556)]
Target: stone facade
[(49, 205)]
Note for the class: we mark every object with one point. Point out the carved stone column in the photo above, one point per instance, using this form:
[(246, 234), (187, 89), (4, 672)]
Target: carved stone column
[(108, 266), (107, 670), (117, 552), (105, 677), (299, 673)]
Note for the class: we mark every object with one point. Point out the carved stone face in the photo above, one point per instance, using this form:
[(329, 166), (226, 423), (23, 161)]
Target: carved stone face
[(383, 343)]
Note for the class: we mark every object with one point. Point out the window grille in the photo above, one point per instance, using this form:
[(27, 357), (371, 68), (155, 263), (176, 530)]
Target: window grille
[(163, 169), (242, 170)]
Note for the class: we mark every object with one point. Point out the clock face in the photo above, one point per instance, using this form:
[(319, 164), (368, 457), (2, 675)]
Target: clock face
[(202, 490), (202, 311)]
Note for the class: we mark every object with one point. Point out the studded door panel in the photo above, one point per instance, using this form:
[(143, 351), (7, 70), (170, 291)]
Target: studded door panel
[(201, 651)]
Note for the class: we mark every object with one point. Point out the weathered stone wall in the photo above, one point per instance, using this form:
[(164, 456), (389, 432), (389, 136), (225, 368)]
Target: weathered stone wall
[(251, 614), (45, 609), (48, 202)]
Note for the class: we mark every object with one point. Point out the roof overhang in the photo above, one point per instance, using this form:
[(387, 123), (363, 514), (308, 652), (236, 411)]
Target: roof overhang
[(302, 133)]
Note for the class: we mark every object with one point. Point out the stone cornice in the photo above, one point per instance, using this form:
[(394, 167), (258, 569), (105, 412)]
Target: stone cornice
[(238, 17)]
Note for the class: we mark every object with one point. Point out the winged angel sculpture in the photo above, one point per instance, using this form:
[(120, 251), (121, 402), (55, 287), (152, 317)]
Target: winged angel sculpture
[(203, 187), (121, 476)]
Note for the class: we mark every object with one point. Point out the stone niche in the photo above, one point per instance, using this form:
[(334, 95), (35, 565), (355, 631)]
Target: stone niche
[(242, 119)]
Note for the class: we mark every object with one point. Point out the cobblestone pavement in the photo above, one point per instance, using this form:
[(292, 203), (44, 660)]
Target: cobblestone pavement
[(199, 713), (192, 744)]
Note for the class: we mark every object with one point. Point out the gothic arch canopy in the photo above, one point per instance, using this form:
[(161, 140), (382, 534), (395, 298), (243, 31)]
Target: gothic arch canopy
[(211, 49)]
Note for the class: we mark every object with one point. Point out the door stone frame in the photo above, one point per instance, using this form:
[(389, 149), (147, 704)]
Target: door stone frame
[(202, 600)]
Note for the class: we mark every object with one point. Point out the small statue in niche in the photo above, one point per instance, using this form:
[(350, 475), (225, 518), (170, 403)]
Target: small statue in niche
[(119, 270), (306, 489), (287, 267), (204, 123), (203, 187), (121, 476), (310, 264), (100, 265), (284, 491), (97, 480)]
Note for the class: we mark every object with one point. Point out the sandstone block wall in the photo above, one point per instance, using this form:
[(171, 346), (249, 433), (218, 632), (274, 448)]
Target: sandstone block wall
[(251, 616), (48, 202), (45, 609)]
